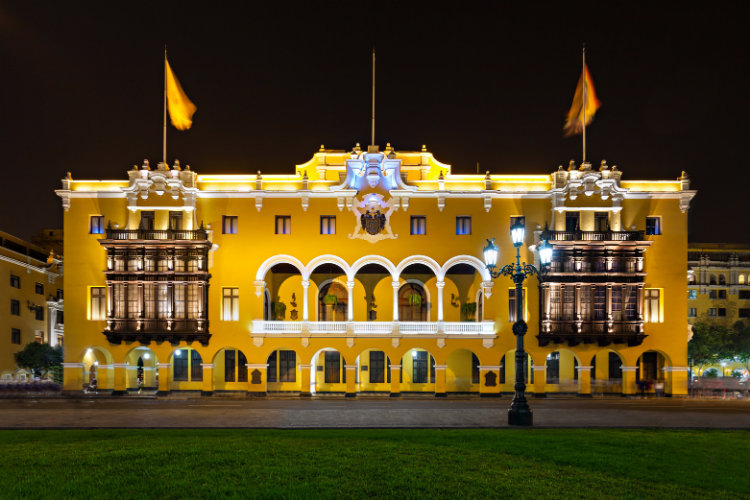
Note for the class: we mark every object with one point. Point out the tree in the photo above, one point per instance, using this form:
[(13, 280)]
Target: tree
[(711, 342), (39, 358), (741, 343)]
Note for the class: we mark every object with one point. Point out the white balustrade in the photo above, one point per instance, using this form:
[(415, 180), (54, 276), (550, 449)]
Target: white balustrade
[(373, 327), (365, 328), (327, 326)]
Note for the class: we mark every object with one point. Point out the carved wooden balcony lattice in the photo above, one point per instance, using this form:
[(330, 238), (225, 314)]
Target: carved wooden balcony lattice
[(602, 333), (145, 330)]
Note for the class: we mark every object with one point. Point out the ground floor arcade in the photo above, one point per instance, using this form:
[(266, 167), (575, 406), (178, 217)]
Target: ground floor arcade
[(385, 366)]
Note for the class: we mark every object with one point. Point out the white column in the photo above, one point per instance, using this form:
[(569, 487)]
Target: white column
[(305, 301), (350, 300), (440, 285), (395, 285)]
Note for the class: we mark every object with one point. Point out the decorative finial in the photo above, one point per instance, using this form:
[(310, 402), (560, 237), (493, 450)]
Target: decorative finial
[(70, 177), (683, 176), (259, 176), (176, 165), (572, 165), (304, 174), (603, 165), (145, 165), (441, 176), (487, 174), (187, 167), (424, 148), (322, 148)]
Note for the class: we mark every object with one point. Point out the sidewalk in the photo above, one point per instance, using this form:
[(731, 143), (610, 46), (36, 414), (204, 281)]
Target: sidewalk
[(370, 413)]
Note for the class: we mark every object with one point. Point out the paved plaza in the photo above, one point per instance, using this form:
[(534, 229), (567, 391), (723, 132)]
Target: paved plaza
[(216, 412)]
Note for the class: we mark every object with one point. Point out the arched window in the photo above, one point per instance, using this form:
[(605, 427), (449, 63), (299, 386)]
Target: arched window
[(187, 366), (412, 303), (722, 279), (332, 302), (712, 280), (741, 279)]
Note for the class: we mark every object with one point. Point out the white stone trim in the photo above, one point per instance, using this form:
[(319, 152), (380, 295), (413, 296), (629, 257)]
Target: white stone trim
[(256, 366), (581, 368), (676, 369), (210, 366), (489, 367), (628, 368), (72, 365)]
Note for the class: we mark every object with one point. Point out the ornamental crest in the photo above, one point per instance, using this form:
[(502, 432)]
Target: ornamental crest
[(374, 214), (372, 221)]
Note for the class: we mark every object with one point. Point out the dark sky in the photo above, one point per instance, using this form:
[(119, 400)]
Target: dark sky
[(81, 91)]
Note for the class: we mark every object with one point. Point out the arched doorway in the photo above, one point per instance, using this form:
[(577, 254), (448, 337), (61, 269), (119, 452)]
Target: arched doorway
[(332, 302), (412, 302)]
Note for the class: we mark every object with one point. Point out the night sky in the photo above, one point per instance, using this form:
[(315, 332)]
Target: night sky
[(81, 89)]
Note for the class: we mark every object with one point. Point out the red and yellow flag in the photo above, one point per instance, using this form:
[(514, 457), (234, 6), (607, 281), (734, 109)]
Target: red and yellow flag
[(575, 121), (180, 108)]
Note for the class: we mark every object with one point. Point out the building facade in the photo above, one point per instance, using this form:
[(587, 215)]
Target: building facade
[(719, 292), (31, 294), (362, 272)]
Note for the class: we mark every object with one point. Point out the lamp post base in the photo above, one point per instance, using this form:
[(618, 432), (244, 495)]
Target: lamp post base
[(521, 417)]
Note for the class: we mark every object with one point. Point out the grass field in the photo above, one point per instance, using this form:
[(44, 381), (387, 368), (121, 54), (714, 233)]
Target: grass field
[(375, 463)]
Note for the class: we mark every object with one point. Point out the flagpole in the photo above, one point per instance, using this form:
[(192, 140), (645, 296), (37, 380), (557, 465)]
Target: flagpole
[(164, 144), (372, 133), (583, 79)]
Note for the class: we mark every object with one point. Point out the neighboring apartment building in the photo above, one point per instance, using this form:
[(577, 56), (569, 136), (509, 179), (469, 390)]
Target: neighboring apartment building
[(719, 291), (718, 282), (362, 272), (31, 295)]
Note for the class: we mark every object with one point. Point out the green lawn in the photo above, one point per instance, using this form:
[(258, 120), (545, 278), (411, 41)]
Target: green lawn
[(535, 463)]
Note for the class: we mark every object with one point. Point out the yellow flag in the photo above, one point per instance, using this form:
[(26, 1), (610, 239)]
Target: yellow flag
[(180, 108), (575, 121)]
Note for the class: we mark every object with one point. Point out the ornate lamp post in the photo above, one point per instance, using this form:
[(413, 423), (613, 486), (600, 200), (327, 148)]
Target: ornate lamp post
[(519, 412)]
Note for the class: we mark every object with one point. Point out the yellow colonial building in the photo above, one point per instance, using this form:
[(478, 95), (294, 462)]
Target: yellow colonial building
[(361, 273), (31, 298)]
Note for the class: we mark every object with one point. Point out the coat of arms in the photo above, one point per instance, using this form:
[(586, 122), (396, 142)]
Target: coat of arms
[(372, 221)]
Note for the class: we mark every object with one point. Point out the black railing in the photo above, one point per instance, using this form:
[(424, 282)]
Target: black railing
[(596, 235), (156, 234), (157, 325), (157, 330), (600, 332)]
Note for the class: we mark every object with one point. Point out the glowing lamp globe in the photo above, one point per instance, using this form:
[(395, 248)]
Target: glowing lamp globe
[(545, 253), (517, 232), (490, 254)]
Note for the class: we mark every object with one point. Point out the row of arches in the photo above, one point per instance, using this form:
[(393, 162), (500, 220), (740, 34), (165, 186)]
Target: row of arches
[(329, 290), (351, 271), (368, 370)]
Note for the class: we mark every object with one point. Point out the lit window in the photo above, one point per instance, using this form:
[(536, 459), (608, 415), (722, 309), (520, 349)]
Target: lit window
[(418, 224), (651, 310), (692, 294), (15, 281), (463, 225), (693, 312), (572, 221), (39, 288), (98, 303), (653, 225), (175, 220), (229, 224), (96, 224), (230, 309), (512, 304), (327, 224), (283, 224), (601, 221)]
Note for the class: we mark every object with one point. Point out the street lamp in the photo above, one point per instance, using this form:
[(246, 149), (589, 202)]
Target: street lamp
[(519, 412)]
